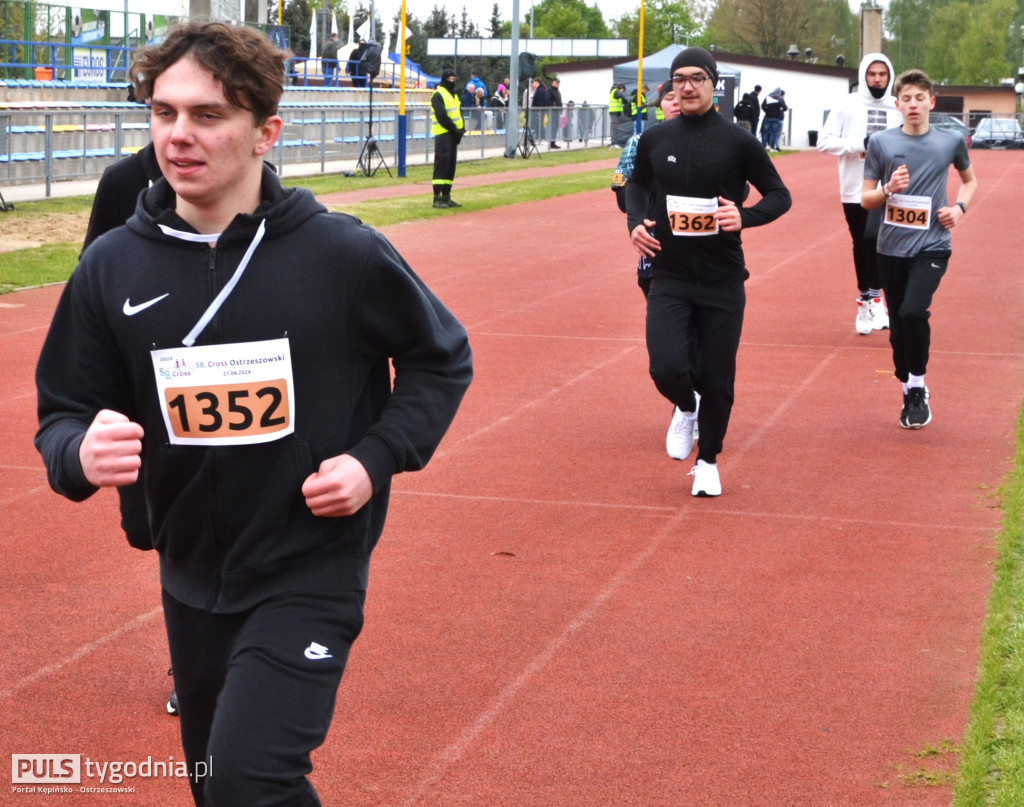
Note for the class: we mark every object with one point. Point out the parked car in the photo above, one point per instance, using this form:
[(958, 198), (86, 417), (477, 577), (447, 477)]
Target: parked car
[(943, 120), (998, 133)]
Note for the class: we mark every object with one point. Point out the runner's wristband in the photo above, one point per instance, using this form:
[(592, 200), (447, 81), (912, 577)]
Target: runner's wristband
[(961, 205)]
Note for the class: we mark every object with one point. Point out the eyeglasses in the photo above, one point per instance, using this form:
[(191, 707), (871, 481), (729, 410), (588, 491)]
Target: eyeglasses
[(696, 81)]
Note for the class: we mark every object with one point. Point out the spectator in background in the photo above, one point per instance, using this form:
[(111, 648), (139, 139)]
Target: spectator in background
[(618, 113), (479, 107), (555, 102), (748, 110), (499, 103), (355, 64), (538, 104), (467, 98), (477, 82), (329, 60), (774, 107)]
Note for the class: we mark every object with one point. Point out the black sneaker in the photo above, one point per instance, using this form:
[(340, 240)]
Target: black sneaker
[(918, 413), (449, 202), (439, 202), (905, 411), (172, 704)]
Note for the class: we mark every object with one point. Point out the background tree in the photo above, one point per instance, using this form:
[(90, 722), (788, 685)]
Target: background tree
[(967, 43), (907, 24), (296, 14), (769, 27), (438, 25), (834, 31), (665, 22), (564, 19), (956, 41)]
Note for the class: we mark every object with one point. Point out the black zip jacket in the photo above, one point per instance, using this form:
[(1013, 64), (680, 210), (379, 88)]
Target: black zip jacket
[(230, 522), (702, 156)]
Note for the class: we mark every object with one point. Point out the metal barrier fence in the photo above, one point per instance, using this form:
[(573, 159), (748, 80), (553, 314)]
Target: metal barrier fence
[(42, 146)]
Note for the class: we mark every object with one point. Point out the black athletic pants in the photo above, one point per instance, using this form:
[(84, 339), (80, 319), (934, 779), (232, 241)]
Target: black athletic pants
[(446, 148), (910, 284), (256, 693), (693, 335), (863, 226)]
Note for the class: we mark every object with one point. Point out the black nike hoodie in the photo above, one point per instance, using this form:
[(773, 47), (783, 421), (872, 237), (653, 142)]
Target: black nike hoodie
[(229, 522)]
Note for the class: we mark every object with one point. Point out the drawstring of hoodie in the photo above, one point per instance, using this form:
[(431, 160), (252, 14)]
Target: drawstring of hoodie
[(229, 287)]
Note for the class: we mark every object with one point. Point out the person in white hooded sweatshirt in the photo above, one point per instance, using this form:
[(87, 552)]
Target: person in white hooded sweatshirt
[(868, 109)]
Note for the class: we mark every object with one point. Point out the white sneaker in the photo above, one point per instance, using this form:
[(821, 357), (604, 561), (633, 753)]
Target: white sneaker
[(879, 316), (681, 432), (865, 323), (706, 481)]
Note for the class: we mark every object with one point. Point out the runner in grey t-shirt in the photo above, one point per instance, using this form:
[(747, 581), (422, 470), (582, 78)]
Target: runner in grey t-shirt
[(927, 158), (914, 243)]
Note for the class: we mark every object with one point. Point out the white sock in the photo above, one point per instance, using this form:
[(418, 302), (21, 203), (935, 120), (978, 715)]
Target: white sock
[(915, 381)]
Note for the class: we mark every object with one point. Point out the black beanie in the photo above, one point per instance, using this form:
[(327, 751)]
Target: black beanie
[(696, 57)]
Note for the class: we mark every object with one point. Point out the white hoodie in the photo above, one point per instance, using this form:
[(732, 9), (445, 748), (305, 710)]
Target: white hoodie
[(849, 123)]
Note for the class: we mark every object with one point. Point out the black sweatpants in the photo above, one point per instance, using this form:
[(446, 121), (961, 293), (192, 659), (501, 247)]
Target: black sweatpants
[(256, 693), (863, 225), (693, 335), (910, 284), (446, 150)]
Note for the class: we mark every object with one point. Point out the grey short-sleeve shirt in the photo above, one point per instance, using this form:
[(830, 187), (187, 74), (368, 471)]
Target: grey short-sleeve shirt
[(928, 158)]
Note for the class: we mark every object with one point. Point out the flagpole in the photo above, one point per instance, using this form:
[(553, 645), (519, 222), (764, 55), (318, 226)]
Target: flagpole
[(401, 95), (640, 73)]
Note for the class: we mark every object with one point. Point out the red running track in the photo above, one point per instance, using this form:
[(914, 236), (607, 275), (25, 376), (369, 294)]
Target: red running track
[(553, 619)]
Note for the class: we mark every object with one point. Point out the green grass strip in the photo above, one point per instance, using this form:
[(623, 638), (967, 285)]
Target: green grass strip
[(992, 766), (38, 266)]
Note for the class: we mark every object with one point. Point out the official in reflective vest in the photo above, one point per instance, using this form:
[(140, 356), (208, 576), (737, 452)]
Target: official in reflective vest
[(638, 103), (615, 100), (448, 130)]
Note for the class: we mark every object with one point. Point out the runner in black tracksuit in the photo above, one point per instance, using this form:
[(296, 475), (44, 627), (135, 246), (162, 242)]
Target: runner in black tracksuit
[(697, 279), (248, 367)]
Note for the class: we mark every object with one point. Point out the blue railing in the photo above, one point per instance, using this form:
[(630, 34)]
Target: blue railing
[(65, 62), (46, 145)]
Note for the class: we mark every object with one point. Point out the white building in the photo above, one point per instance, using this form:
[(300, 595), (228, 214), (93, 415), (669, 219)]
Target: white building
[(811, 89)]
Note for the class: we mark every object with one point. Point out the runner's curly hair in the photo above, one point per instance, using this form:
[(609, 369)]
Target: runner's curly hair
[(249, 68)]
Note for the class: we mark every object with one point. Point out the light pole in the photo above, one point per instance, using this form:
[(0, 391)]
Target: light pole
[(1019, 87)]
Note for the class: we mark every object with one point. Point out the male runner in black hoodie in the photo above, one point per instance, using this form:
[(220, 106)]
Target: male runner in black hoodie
[(232, 348)]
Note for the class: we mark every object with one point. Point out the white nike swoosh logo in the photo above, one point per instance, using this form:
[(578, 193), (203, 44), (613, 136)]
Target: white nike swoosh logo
[(131, 310), (316, 652)]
